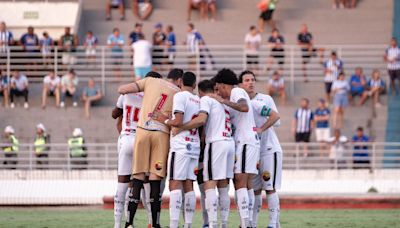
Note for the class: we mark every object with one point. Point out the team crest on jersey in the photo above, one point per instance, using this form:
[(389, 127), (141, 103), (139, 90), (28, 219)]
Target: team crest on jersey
[(266, 176), (158, 165), (189, 147)]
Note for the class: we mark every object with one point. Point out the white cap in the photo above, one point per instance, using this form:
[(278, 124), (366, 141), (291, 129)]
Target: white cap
[(9, 129), (41, 126), (77, 132)]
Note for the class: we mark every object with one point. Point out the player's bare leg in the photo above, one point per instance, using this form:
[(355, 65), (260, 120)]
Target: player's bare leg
[(273, 208), (242, 195), (224, 201), (119, 199)]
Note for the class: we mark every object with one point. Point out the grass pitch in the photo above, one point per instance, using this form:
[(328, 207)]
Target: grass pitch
[(74, 217)]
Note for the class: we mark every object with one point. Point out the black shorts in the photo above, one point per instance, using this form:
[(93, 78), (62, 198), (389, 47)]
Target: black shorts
[(328, 87), (394, 74), (159, 57), (279, 55), (306, 54), (303, 137), (266, 15), (52, 93), (252, 59)]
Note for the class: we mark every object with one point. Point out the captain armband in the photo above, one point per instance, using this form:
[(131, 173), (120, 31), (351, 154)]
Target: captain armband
[(265, 111)]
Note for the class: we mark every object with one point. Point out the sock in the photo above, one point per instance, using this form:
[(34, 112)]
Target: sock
[(119, 203), (251, 205), (243, 205), (134, 199), (212, 207), (256, 209), (273, 207), (203, 204), (155, 202), (127, 202), (146, 200), (190, 207), (175, 205), (224, 205)]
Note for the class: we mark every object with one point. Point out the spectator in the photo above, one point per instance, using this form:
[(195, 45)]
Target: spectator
[(11, 149), (90, 45), (30, 40), (4, 88), (338, 148), (360, 150), (358, 83), (159, 39), (196, 5), (276, 85), (68, 43), (332, 67), (6, 39), (340, 92), (321, 117), (252, 42), (344, 4), (142, 9), (116, 41), (267, 8), (51, 87), (91, 94), (19, 87), (134, 36), (46, 45), (77, 150), (171, 43), (194, 41), (115, 4), (41, 144), (392, 58), (305, 42), (210, 6), (69, 84), (276, 42), (141, 57), (303, 123), (376, 87)]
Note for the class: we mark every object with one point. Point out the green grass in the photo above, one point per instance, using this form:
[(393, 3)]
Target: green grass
[(76, 217)]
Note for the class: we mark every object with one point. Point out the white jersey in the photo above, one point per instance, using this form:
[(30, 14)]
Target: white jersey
[(130, 104), (186, 142), (218, 126), (243, 122), (269, 142)]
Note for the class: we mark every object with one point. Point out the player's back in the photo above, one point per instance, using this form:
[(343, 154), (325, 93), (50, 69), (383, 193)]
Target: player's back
[(158, 96), (130, 104)]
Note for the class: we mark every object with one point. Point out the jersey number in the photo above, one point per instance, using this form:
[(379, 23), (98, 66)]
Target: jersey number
[(129, 115), (161, 102), (228, 124)]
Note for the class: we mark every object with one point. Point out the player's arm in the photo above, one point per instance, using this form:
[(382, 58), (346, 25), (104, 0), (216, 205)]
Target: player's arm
[(129, 88), (273, 117), (119, 124), (177, 121), (116, 112), (197, 122), (241, 105)]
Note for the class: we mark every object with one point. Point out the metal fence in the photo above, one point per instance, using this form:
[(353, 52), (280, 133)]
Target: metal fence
[(104, 65), (378, 155)]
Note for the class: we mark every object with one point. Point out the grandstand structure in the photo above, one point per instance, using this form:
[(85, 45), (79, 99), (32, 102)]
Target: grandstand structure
[(360, 37)]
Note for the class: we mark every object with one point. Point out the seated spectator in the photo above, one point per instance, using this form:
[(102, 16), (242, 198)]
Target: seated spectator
[(321, 117), (142, 9), (170, 43), (360, 151), (276, 43), (332, 67), (77, 150), (67, 44), (69, 84), (4, 88), (116, 41), (42, 139), (338, 149), (142, 61), (303, 124), (91, 93), (46, 45), (90, 45), (267, 8), (276, 86), (252, 42), (375, 87), (30, 40), (196, 5), (340, 91), (358, 84), (115, 4), (51, 87), (344, 4), (134, 36), (19, 87), (211, 6), (10, 148)]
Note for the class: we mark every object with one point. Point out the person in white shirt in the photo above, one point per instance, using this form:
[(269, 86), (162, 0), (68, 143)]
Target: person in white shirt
[(340, 91), (142, 59), (375, 87), (276, 85), (332, 67), (184, 151), (252, 43), (51, 87), (246, 139), (270, 164), (69, 84), (338, 153), (392, 58), (19, 87)]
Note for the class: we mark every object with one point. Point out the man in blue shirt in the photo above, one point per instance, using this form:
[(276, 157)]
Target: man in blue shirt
[(358, 82), (116, 41), (360, 152), (134, 36), (171, 42), (30, 40), (321, 117)]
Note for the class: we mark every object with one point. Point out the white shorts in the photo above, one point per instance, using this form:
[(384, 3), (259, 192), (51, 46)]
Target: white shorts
[(182, 167), (125, 154), (246, 159), (219, 158), (270, 172), (90, 52), (322, 134)]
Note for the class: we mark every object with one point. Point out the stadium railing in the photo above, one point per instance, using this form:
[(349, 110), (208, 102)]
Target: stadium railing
[(104, 156), (105, 67)]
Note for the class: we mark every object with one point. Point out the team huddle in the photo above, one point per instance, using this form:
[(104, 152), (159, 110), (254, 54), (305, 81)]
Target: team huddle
[(224, 133)]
